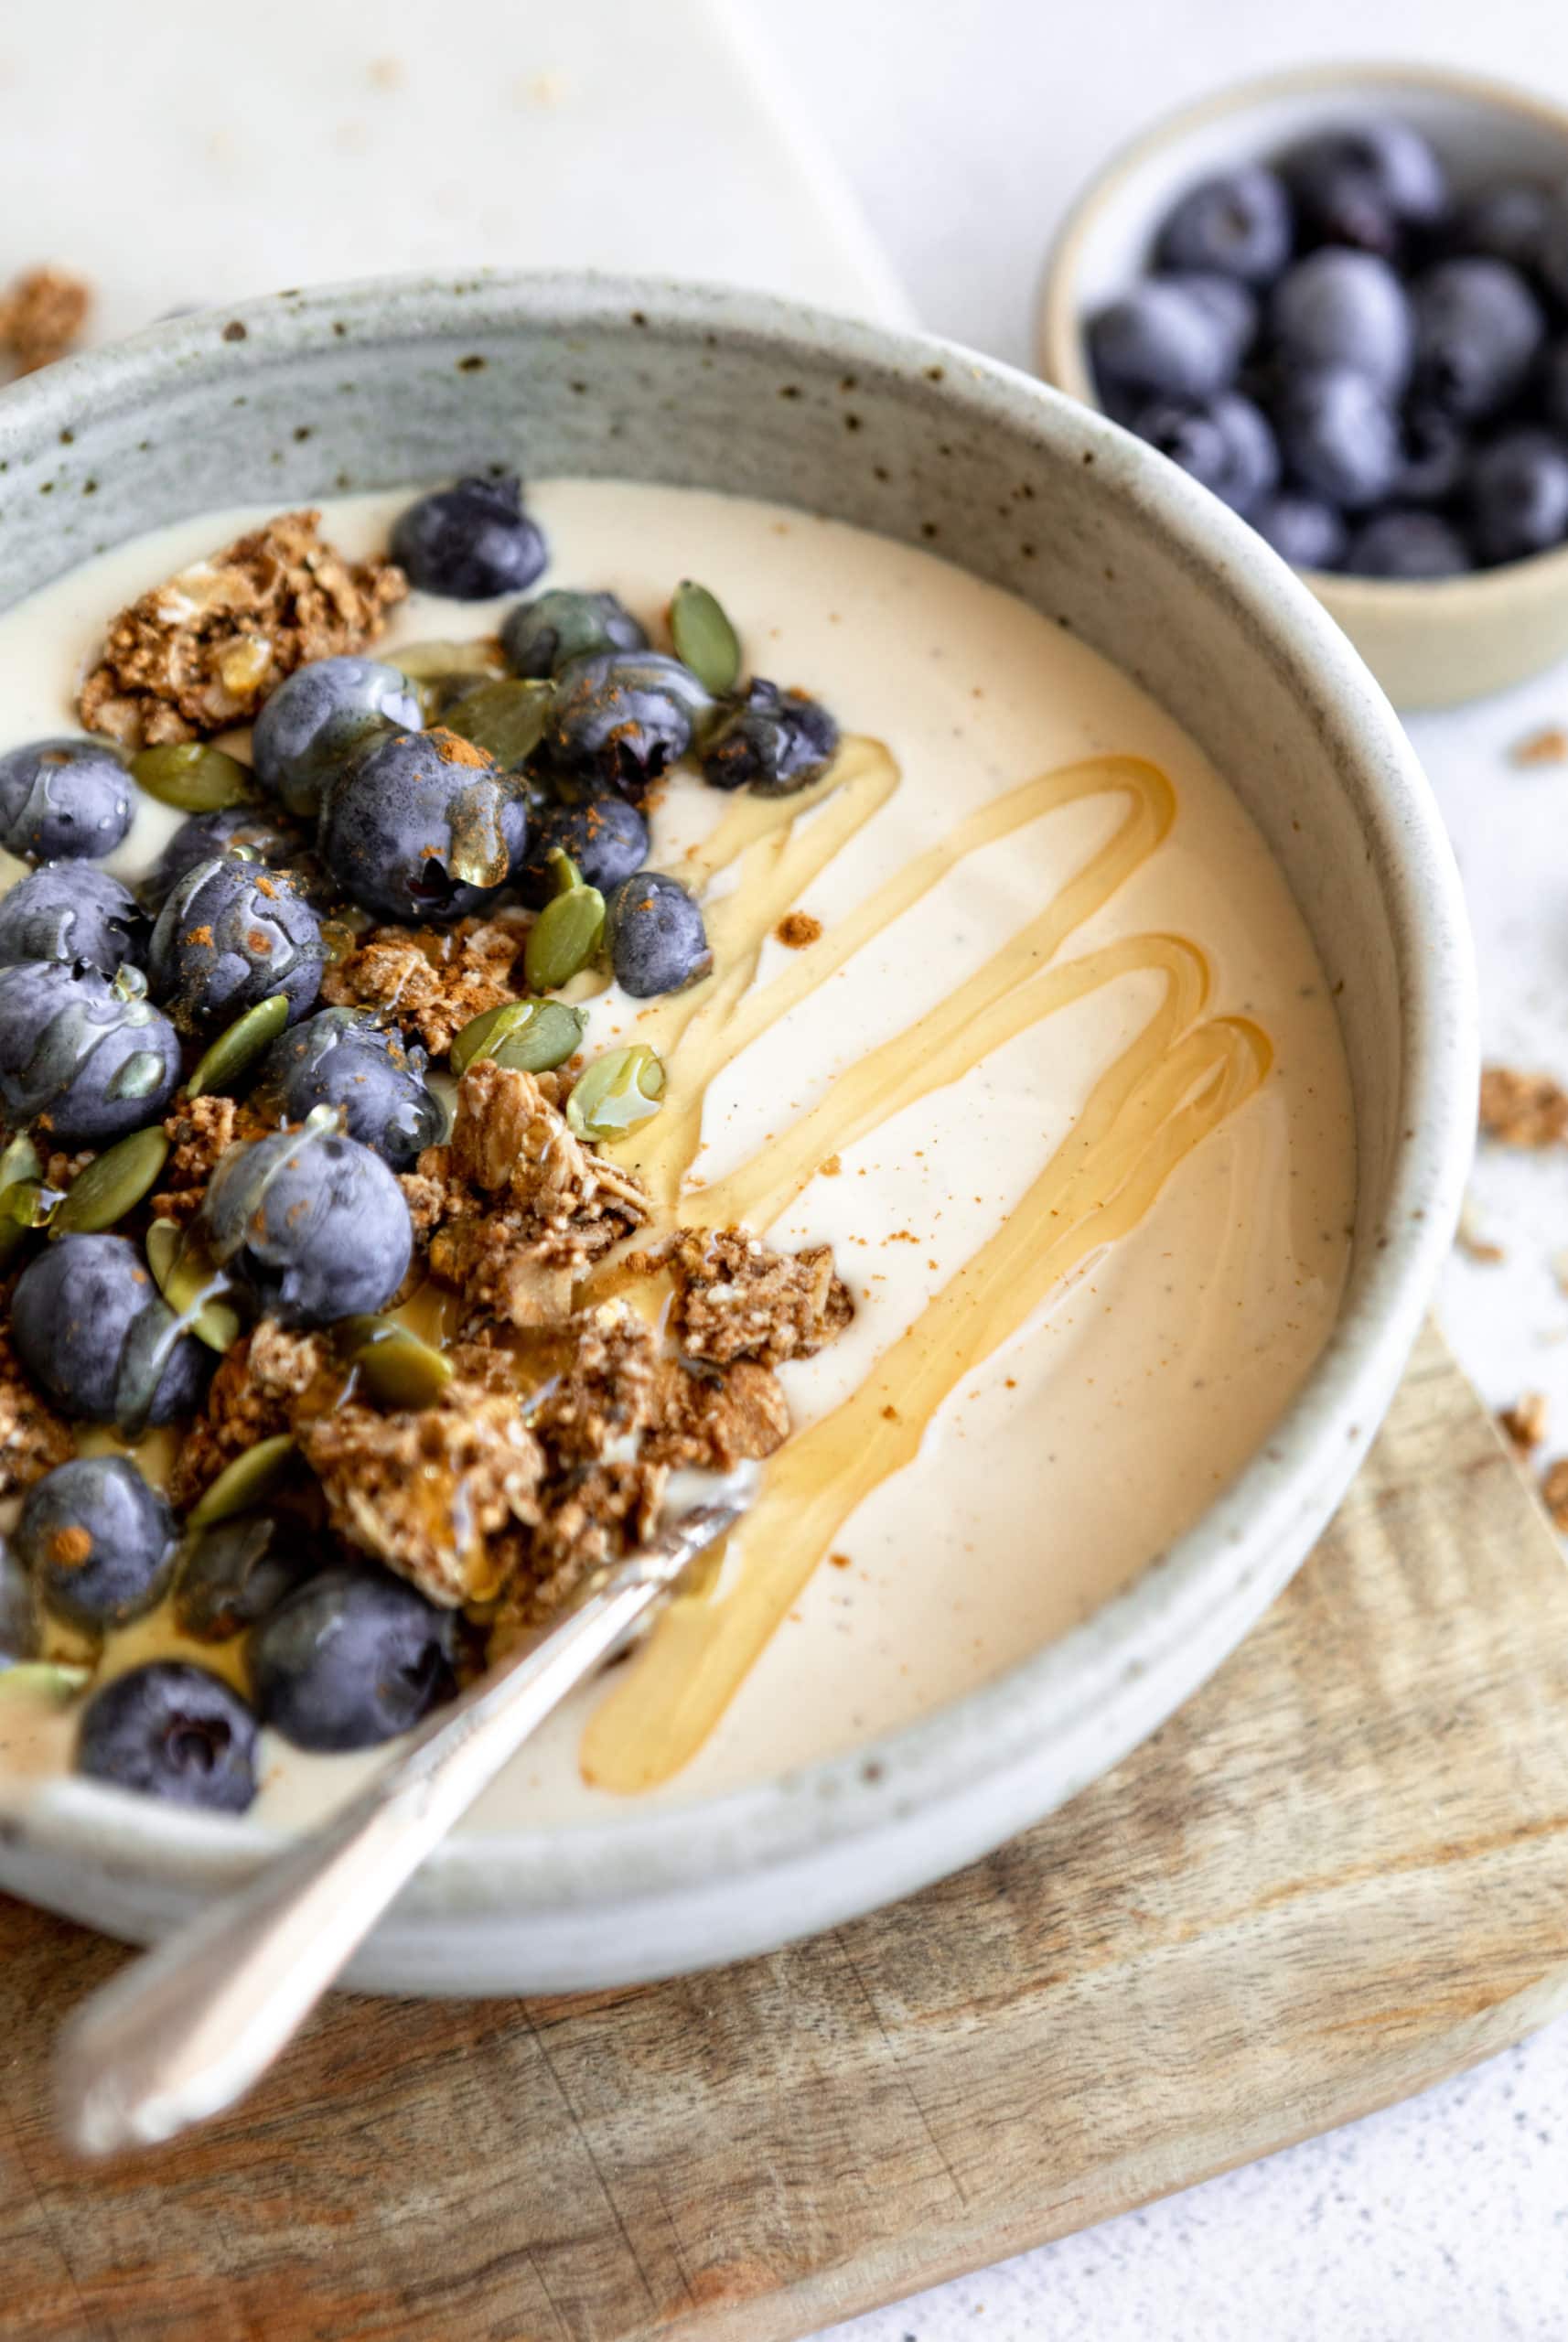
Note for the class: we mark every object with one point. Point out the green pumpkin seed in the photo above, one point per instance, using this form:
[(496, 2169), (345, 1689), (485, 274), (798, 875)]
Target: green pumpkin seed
[(564, 939), (251, 1478), (193, 777), (619, 1090), (527, 1035), (27, 1203), (704, 638), (505, 718), (113, 1184), (235, 1051), (183, 1273), (565, 873), (45, 1678), (19, 1170), (393, 1365)]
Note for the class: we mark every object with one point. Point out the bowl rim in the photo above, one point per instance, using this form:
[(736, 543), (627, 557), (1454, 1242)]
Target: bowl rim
[(974, 1744), (1059, 334)]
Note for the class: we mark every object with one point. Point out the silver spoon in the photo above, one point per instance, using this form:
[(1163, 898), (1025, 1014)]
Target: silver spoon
[(186, 2030)]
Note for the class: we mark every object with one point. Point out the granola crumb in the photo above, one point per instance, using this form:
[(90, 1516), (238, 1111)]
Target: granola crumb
[(199, 1130), (42, 315), (735, 1298), (1554, 1492), (1524, 1423), (435, 979), (797, 929), (262, 1385), (202, 650), (1547, 746), (831, 1168), (839, 1561), (33, 1438), (1527, 1109), (1469, 1238)]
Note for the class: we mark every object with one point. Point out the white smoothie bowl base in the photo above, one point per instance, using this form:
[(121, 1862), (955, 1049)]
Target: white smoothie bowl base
[(311, 394)]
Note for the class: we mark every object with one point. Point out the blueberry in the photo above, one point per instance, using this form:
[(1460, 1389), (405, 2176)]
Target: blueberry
[(62, 799), (622, 716), (1344, 308), (73, 911), (21, 1619), (1230, 305), (1304, 530), (1159, 342), (238, 1572), (313, 715), (1238, 222), (340, 1057), (92, 1332), (99, 1542), (1519, 496), (1407, 544), (1338, 435), (1478, 329), (1365, 186), (655, 935), (172, 1730), (605, 834), (1554, 387), (1434, 456), (1505, 221), (1227, 445), (91, 1054), (255, 834), (353, 1658), (421, 826), (231, 934), (1551, 253), (310, 1225), (770, 741), (470, 541), (541, 637)]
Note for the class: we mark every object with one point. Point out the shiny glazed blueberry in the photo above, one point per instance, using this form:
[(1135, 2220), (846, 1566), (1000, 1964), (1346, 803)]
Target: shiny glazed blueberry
[(256, 835), (63, 799), (421, 826), (98, 1543), (1238, 222), (90, 1053), (340, 1057), (353, 1658), (770, 741), (470, 541), (174, 1731), (543, 635), (655, 935), (311, 1226), (1227, 445), (231, 934), (599, 830), (92, 1331), (622, 717), (72, 911), (237, 1572), (313, 715)]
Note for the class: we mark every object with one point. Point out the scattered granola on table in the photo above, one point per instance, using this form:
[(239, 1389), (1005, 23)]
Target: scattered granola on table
[(1528, 1110), (42, 315), (1554, 1493), (1547, 746), (1524, 1423)]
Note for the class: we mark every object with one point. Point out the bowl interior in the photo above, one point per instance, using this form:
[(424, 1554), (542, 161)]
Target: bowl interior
[(376, 385)]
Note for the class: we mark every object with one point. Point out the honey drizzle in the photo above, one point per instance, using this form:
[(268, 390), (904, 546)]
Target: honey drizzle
[(1167, 1091)]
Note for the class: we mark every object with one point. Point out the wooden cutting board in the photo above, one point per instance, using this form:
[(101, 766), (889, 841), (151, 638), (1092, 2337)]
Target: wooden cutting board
[(1340, 1873)]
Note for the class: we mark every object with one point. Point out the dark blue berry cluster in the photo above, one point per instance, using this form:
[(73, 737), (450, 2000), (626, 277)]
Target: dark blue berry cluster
[(1368, 365)]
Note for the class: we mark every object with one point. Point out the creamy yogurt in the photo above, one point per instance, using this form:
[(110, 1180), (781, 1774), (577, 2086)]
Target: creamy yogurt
[(1101, 1428)]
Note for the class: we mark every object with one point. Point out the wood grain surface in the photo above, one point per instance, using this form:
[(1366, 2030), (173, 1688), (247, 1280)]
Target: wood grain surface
[(1340, 1873)]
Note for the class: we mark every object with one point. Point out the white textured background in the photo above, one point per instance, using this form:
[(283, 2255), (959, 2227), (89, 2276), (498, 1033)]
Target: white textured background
[(217, 152)]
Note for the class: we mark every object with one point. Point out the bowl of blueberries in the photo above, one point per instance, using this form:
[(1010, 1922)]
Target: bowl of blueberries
[(1339, 299)]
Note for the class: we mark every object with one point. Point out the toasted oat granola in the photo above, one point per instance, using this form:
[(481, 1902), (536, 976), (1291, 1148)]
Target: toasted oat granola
[(1524, 1423), (258, 1391), (33, 1438), (202, 650), (200, 1132), (1554, 1493), (735, 1298), (1522, 1109), (42, 315), (434, 978)]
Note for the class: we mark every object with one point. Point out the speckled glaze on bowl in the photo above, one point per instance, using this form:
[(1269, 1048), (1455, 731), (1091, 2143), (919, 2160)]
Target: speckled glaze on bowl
[(1430, 645), (376, 384)]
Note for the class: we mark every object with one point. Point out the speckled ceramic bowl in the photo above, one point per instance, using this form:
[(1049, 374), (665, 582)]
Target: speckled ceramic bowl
[(1430, 645), (380, 384)]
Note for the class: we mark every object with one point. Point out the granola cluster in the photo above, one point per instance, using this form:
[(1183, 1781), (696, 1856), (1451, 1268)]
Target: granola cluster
[(33, 1439), (202, 650), (41, 316), (434, 978)]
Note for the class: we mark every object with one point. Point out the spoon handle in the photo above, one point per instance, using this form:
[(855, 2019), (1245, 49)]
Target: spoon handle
[(186, 2030)]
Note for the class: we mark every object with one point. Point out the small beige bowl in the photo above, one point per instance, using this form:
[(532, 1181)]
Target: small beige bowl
[(1429, 645)]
